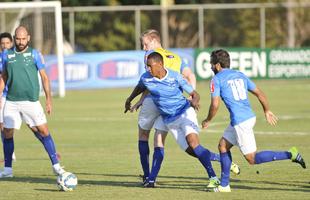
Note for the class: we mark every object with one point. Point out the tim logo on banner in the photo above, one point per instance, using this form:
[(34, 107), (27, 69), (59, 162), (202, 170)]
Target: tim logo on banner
[(118, 69)]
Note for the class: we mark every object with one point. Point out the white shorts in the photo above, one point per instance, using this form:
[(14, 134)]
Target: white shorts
[(148, 114), (3, 99), (187, 123), (242, 135), (30, 112)]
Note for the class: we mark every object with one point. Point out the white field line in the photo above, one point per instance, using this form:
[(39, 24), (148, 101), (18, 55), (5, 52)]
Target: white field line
[(262, 132)]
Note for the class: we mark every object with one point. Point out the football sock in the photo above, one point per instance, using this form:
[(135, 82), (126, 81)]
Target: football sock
[(204, 157), (158, 157), (144, 157), (8, 149), (38, 136), (268, 156), (214, 156), (50, 148), (225, 168)]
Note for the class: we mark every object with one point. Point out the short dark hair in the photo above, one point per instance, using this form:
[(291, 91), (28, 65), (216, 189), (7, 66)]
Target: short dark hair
[(156, 57), (220, 56), (6, 35)]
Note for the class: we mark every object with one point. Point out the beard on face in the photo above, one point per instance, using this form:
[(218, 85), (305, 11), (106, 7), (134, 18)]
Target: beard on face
[(21, 47)]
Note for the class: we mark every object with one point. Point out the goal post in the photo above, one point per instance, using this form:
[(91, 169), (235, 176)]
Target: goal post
[(12, 14)]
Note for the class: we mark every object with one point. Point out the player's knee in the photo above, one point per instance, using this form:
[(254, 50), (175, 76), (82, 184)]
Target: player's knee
[(144, 135), (190, 152), (222, 148)]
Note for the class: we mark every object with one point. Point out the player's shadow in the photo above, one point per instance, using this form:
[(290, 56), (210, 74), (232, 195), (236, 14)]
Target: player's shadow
[(176, 182)]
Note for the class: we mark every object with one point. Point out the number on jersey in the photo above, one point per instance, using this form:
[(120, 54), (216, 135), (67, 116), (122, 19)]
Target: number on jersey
[(238, 89)]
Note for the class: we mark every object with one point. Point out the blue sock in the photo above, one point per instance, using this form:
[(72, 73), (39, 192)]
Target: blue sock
[(144, 157), (38, 136), (158, 157), (225, 167), (50, 148), (204, 157), (8, 149), (268, 156), (214, 156)]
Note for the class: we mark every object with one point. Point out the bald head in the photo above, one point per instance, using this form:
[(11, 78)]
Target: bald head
[(21, 38)]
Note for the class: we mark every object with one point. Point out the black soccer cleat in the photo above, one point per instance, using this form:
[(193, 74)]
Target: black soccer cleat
[(149, 184)]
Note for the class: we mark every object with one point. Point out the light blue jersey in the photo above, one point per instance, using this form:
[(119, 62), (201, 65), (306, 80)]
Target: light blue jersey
[(233, 86), (5, 90), (167, 93)]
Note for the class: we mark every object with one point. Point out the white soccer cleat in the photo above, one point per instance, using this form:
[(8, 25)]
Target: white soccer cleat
[(222, 189), (6, 173)]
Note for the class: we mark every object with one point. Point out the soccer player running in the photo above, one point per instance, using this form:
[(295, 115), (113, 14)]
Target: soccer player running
[(232, 86), (20, 72), (6, 42), (149, 115)]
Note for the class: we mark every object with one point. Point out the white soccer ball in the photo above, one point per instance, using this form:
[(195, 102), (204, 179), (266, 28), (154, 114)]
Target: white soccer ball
[(67, 181)]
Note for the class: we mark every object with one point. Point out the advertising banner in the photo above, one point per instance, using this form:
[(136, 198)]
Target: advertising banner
[(259, 63), (104, 69)]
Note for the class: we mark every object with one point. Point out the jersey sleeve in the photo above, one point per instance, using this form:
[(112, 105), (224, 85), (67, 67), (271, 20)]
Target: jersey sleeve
[(4, 58), (215, 88), (38, 59), (184, 85), (250, 84)]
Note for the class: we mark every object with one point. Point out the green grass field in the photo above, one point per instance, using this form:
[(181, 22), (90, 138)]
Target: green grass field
[(98, 142)]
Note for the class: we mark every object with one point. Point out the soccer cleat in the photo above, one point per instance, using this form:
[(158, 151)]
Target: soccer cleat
[(296, 157), (58, 170), (234, 168), (222, 189), (149, 184), (213, 183), (144, 179), (6, 173)]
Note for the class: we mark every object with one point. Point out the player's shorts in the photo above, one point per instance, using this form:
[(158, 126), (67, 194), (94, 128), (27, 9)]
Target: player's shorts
[(187, 123), (242, 135), (148, 114), (16, 111), (3, 99), (160, 125)]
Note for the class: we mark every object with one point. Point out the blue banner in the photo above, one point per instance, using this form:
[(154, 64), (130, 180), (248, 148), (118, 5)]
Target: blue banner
[(104, 69)]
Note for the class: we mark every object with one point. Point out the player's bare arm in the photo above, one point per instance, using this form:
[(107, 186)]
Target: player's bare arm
[(189, 76), (138, 90), (214, 106), (47, 91), (139, 103), (270, 117), (195, 99)]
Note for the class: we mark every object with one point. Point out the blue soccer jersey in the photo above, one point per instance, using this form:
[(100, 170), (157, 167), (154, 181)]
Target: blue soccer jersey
[(233, 86), (167, 93), (5, 90)]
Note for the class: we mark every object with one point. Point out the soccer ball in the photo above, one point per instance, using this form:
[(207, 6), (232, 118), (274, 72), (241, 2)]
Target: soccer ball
[(67, 181)]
